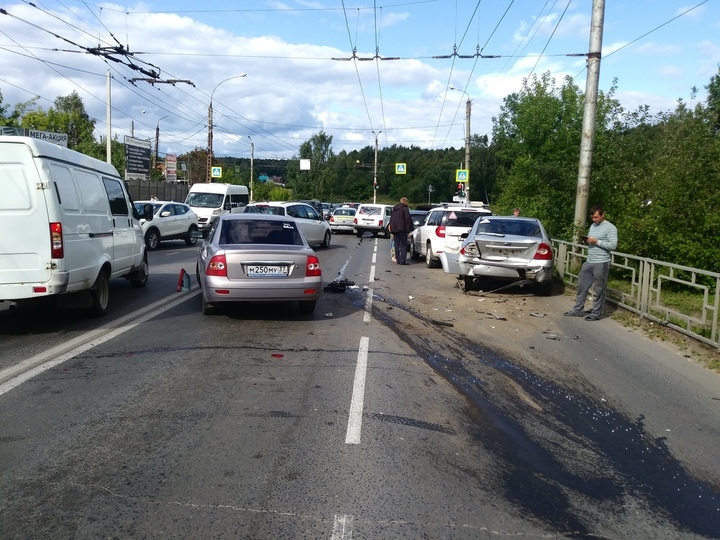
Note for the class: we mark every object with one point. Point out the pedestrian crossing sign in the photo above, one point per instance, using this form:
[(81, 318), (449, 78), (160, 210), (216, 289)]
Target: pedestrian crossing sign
[(462, 175), (400, 168), (216, 172)]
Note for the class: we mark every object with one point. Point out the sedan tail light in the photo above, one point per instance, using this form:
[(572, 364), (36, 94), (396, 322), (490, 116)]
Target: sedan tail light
[(312, 268), (470, 250), (543, 253), (217, 266), (440, 231)]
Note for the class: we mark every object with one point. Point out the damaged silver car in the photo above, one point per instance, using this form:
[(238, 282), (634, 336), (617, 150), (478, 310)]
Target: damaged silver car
[(507, 248)]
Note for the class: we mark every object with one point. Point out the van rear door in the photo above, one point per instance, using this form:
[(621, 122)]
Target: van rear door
[(25, 242)]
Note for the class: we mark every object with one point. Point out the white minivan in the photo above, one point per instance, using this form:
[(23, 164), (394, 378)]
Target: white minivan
[(210, 200), (68, 225)]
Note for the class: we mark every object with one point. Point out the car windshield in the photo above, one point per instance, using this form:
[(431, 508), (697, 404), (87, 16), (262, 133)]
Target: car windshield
[(140, 207), (260, 231), (344, 212), (265, 209), (205, 200), (508, 227)]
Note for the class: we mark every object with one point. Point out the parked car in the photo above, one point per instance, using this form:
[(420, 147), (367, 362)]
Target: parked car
[(342, 220), (504, 247), (314, 227), (257, 257), (327, 210), (373, 218), (441, 230), (418, 216), (171, 221)]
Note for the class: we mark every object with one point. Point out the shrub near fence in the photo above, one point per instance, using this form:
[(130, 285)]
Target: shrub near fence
[(683, 298), (143, 190)]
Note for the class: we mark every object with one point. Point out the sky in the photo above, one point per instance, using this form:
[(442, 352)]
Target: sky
[(359, 70)]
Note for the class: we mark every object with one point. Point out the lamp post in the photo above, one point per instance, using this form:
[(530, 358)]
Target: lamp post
[(468, 107), (210, 126), (252, 159), (375, 168), (132, 124)]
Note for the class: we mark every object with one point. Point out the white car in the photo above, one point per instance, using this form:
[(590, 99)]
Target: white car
[(310, 221), (171, 221), (441, 230), (374, 218)]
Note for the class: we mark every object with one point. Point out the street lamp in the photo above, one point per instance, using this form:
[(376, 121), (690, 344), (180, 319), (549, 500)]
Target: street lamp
[(467, 141), (132, 125), (375, 168), (210, 126), (252, 159)]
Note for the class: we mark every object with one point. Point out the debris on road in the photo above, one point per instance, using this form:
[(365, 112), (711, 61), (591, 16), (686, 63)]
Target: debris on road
[(339, 285)]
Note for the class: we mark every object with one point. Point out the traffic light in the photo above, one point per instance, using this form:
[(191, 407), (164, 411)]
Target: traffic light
[(460, 190)]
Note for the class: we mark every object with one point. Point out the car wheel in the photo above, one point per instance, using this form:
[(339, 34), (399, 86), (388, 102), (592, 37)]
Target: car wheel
[(414, 255), (152, 238), (208, 308), (359, 233), (189, 240), (306, 306), (140, 278), (429, 261), (467, 283), (326, 240), (100, 295), (544, 288)]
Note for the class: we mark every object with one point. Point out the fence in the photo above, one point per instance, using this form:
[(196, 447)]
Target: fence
[(143, 190), (679, 297)]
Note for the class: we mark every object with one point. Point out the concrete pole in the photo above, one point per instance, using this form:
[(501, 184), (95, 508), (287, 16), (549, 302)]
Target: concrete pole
[(375, 168), (589, 117), (209, 145), (252, 160), (108, 147), (468, 109)]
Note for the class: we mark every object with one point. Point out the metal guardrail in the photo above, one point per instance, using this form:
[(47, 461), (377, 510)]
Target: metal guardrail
[(646, 287)]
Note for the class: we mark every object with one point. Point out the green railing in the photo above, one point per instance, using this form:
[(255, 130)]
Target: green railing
[(683, 298)]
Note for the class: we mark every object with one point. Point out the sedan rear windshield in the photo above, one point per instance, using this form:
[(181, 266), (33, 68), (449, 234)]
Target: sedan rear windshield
[(265, 209), (456, 218), (260, 232), (507, 227)]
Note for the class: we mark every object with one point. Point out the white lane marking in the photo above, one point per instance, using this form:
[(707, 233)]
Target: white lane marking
[(368, 306), (342, 528), (374, 257), (33, 366), (371, 279), (358, 396)]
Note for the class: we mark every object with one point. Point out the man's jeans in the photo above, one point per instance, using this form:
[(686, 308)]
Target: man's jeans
[(592, 274)]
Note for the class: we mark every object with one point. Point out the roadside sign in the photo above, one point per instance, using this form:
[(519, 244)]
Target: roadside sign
[(462, 175), (216, 172), (400, 168)]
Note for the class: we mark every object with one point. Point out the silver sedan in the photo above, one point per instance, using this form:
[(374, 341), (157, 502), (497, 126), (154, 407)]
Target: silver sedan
[(257, 258), (504, 247)]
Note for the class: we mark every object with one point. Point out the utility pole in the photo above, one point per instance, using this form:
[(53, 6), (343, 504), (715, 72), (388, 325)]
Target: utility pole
[(157, 139), (468, 107), (108, 108), (210, 127), (589, 116), (375, 168), (252, 160)]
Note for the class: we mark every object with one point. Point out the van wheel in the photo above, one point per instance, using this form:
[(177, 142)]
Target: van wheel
[(326, 240), (387, 233), (100, 295), (359, 233), (189, 240), (140, 278), (152, 238), (306, 306)]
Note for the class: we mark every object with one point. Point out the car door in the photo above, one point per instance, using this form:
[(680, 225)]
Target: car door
[(167, 221), (424, 232), (308, 226), (184, 218)]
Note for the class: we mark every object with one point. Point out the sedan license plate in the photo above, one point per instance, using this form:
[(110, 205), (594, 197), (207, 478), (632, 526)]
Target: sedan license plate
[(262, 270)]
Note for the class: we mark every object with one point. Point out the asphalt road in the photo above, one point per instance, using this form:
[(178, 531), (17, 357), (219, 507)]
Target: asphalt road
[(374, 417)]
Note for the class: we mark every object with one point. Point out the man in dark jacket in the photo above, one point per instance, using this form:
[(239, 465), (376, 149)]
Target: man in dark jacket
[(401, 225)]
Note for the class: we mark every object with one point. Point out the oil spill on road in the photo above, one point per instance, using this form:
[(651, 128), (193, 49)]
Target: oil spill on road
[(606, 457)]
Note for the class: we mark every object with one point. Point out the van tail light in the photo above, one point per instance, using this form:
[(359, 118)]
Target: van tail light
[(217, 266), (440, 231), (312, 268), (381, 223), (355, 220), (57, 249), (543, 253)]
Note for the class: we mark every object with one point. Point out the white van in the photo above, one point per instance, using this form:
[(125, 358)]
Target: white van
[(208, 201), (374, 218), (68, 225)]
